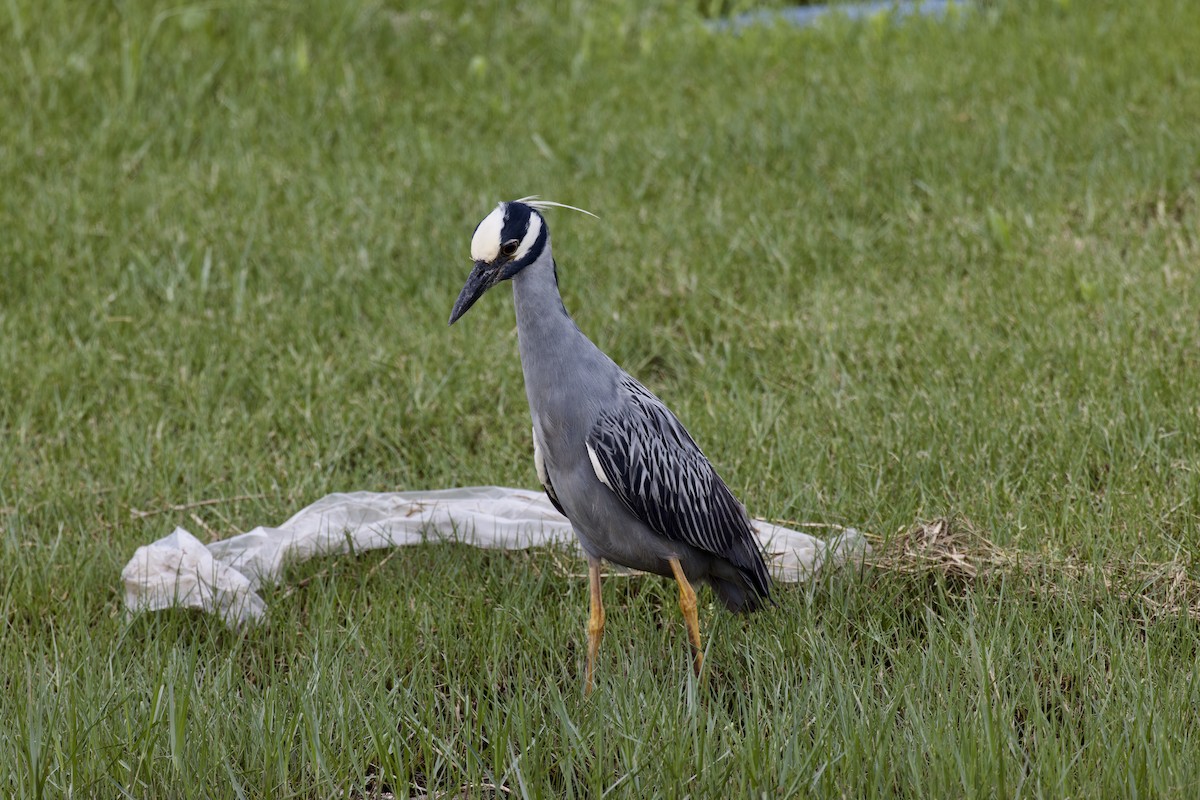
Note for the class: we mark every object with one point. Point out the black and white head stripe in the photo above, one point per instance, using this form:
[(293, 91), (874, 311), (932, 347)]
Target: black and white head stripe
[(509, 224), (519, 222)]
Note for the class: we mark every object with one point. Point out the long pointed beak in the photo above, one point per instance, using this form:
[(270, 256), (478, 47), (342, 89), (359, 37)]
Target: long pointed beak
[(477, 283)]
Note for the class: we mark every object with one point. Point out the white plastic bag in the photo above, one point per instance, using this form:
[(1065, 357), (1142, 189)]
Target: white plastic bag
[(223, 577)]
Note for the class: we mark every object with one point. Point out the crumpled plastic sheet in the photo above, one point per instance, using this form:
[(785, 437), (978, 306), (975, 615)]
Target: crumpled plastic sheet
[(224, 577)]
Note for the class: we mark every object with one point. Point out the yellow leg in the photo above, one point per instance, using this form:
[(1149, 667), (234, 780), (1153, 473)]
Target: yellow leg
[(687, 604), (595, 626)]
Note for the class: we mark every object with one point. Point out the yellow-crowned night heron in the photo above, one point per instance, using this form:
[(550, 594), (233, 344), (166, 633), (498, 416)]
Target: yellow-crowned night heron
[(611, 456)]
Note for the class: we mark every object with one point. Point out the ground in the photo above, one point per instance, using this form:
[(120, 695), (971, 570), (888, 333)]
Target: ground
[(886, 274)]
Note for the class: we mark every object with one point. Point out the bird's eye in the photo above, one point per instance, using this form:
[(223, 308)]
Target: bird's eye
[(509, 248)]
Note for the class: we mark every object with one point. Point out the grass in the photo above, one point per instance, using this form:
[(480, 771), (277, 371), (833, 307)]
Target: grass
[(883, 273)]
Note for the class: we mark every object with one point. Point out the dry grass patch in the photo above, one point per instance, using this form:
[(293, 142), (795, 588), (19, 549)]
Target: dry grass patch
[(961, 554)]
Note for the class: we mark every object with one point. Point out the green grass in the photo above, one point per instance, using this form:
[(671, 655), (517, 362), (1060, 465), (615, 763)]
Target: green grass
[(883, 273)]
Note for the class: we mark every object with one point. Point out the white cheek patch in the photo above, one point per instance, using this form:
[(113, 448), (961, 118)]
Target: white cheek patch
[(531, 236), (485, 244)]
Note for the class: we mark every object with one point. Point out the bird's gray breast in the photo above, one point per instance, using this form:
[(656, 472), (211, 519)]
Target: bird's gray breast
[(605, 526)]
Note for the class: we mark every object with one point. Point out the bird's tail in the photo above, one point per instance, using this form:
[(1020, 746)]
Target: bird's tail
[(737, 597), (744, 586)]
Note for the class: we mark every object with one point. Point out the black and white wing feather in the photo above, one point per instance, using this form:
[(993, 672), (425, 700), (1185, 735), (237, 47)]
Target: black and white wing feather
[(646, 456)]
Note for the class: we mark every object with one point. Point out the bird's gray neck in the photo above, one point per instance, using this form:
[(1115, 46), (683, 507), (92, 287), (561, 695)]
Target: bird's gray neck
[(552, 346), (542, 320)]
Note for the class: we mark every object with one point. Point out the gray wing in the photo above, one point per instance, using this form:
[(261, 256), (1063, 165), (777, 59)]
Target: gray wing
[(646, 456), (539, 463)]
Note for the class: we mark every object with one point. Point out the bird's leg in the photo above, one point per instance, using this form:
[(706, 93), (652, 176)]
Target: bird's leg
[(595, 626), (687, 604)]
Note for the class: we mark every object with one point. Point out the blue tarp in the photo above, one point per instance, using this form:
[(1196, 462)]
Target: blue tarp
[(808, 15)]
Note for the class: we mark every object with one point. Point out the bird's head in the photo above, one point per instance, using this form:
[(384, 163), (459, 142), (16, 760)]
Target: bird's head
[(509, 239)]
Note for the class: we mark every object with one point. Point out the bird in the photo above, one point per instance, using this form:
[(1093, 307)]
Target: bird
[(612, 458)]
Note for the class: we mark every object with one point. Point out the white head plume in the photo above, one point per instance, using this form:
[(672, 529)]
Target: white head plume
[(542, 205)]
